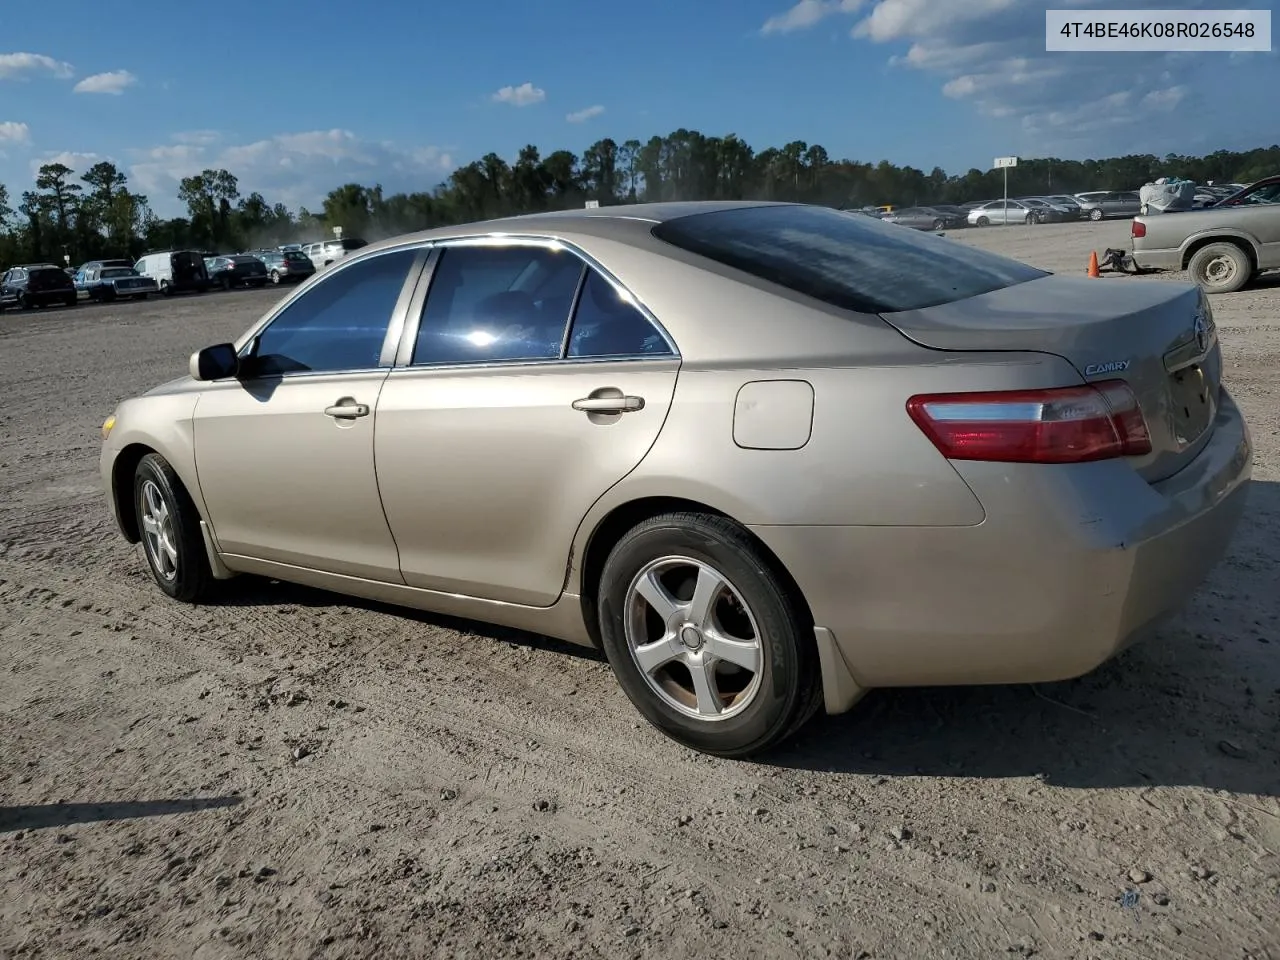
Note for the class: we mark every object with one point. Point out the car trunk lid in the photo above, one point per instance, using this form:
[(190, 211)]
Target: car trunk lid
[(1158, 337)]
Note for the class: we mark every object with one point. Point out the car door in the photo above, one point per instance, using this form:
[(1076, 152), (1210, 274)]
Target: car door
[(284, 452), (528, 384)]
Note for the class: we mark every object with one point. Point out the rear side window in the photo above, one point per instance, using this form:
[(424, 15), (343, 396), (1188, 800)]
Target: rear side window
[(854, 263), (605, 324), (494, 303)]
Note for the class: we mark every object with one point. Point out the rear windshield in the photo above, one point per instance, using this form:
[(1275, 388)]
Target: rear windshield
[(185, 258), (352, 244), (47, 273), (856, 263), (244, 258), (294, 256)]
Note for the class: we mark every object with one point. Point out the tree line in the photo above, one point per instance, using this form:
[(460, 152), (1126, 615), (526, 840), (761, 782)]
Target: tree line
[(96, 214)]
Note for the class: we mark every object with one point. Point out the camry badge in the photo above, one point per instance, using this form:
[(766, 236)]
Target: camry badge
[(1113, 366)]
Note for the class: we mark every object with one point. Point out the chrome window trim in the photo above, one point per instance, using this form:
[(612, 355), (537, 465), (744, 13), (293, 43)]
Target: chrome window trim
[(409, 338), (396, 323)]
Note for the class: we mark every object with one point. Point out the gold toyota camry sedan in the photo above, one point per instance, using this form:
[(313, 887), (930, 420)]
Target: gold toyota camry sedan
[(767, 456)]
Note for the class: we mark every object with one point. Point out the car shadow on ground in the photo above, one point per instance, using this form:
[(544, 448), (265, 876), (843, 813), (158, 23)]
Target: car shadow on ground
[(1192, 706), (1197, 705), (45, 815), (254, 591)]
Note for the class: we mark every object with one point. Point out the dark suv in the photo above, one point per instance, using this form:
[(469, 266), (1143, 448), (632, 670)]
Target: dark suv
[(37, 285)]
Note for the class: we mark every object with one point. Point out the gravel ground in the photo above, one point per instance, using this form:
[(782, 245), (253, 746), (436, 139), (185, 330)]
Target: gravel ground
[(296, 775)]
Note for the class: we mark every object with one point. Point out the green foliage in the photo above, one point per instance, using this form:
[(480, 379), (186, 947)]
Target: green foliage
[(62, 217)]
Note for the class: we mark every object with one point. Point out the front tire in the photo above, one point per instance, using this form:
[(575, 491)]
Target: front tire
[(1220, 268), (705, 638), (1095, 214), (983, 222), (170, 527)]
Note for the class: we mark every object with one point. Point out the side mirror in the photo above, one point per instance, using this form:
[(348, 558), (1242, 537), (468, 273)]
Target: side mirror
[(214, 363)]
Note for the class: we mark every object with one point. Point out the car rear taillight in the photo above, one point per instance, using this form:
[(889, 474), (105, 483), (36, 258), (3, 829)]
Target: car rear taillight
[(1095, 421), (1138, 229)]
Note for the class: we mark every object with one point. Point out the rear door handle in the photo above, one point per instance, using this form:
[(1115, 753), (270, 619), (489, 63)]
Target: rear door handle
[(609, 404), (347, 410)]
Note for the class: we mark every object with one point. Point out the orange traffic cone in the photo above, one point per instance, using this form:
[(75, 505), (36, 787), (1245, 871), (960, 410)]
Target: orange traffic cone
[(1093, 264)]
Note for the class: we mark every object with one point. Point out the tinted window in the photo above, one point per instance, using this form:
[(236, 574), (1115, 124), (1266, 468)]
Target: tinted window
[(863, 265), (295, 256), (497, 303), (606, 325), (113, 272), (340, 323)]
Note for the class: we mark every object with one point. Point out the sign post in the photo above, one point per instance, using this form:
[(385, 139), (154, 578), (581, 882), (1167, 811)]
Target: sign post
[(1004, 163)]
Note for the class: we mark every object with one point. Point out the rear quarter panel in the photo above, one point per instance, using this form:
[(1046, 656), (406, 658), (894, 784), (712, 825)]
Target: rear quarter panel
[(865, 463)]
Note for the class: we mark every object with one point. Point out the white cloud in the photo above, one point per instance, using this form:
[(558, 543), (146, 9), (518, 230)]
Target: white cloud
[(585, 114), (297, 169), (990, 55), (113, 82), (15, 66), (78, 162), (13, 132), (806, 13), (522, 96)]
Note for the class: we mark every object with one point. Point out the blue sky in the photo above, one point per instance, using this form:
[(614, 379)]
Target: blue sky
[(297, 98)]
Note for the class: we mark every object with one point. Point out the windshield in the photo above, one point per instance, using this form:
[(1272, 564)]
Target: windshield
[(112, 272), (855, 263)]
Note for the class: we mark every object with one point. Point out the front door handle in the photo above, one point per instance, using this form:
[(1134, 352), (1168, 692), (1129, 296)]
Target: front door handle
[(347, 409), (609, 404)]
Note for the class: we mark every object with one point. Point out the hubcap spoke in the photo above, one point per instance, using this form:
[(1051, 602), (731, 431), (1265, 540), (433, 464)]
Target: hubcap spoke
[(656, 595), (705, 687), (654, 656), (158, 533), (741, 653), (705, 593)]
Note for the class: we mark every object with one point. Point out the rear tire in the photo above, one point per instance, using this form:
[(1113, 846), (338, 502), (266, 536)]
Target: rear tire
[(170, 527), (736, 707), (165, 289), (1220, 268)]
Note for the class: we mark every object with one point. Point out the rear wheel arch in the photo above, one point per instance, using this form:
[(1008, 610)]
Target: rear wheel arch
[(1200, 243), (625, 517)]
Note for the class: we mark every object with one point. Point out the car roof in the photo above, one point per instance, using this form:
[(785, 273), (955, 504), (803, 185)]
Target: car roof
[(624, 222)]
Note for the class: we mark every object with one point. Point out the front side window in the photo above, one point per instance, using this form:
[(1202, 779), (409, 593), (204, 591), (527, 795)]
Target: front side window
[(339, 324), (492, 303)]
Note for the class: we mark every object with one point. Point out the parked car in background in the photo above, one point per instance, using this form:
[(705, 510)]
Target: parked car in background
[(1000, 212), (958, 214), (236, 270), (1067, 203), (676, 385), (921, 218), (37, 285), (175, 271), (105, 284), (326, 252), (1042, 211), (285, 266), (1223, 247), (1109, 204)]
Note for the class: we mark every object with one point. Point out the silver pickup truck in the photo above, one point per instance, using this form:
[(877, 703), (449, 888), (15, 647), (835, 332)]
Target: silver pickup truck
[(1223, 247)]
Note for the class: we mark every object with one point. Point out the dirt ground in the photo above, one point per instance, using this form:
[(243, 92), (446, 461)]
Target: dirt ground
[(295, 775)]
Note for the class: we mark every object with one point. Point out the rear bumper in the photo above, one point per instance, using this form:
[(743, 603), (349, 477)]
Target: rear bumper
[(1070, 567), (1159, 259)]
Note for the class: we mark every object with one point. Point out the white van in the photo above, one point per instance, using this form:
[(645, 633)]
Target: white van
[(175, 271), (326, 252)]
